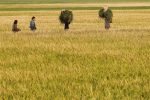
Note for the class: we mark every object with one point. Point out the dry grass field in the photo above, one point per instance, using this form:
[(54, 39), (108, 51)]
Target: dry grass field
[(84, 63)]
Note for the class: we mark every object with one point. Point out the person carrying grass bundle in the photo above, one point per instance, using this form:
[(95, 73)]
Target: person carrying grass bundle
[(15, 27), (32, 24), (66, 17), (106, 14)]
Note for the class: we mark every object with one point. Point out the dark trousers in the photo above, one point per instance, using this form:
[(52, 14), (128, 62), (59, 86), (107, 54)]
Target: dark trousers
[(66, 26)]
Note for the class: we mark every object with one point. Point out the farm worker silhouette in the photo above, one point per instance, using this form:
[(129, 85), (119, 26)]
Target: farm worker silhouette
[(15, 27), (32, 24), (107, 21)]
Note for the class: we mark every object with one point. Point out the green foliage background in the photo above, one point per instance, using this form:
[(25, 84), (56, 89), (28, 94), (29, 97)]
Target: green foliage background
[(67, 1)]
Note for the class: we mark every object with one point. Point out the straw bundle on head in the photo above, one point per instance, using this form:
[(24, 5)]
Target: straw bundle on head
[(66, 16), (106, 13)]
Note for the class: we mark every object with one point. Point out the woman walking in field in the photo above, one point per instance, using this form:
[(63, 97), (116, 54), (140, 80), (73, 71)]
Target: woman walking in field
[(107, 22), (14, 27), (66, 17), (107, 15), (32, 24)]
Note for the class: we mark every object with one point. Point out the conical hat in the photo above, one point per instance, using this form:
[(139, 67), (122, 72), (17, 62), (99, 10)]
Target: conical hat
[(105, 8)]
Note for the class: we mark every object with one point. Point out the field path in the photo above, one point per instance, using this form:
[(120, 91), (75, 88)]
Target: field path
[(73, 5)]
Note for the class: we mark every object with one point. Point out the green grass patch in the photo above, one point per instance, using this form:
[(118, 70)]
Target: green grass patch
[(63, 1), (72, 8)]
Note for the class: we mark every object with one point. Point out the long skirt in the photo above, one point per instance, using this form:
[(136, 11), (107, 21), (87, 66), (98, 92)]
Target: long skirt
[(107, 24)]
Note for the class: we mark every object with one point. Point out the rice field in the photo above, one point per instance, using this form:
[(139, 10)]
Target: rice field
[(84, 63)]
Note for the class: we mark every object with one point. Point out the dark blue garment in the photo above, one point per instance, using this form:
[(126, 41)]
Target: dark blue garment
[(32, 25)]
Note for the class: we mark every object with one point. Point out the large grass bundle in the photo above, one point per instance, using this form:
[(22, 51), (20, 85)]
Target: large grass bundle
[(107, 14), (66, 16)]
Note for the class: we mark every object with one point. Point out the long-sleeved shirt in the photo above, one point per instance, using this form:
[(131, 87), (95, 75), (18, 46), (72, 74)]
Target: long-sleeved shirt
[(32, 25)]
